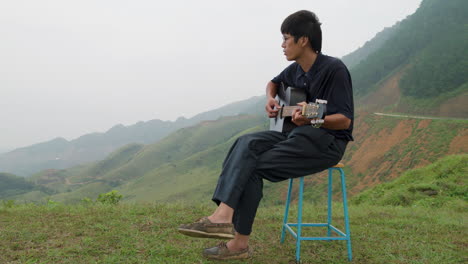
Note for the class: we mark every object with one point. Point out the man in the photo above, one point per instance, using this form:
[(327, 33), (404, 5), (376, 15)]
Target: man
[(277, 156)]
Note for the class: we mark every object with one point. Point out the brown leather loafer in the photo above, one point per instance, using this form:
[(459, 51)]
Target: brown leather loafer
[(206, 229), (221, 252)]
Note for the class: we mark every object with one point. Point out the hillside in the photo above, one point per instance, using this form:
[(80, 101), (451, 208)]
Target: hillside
[(12, 185), (185, 165), (132, 163), (408, 143), (60, 153), (421, 66), (440, 184), (384, 148), (66, 180)]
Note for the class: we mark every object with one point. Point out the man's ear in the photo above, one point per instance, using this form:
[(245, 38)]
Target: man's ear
[(304, 41)]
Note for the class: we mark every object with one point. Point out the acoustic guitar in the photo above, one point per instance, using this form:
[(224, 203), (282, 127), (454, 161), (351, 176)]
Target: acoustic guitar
[(288, 99)]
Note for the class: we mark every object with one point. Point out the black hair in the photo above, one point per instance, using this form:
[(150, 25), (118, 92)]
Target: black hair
[(304, 24)]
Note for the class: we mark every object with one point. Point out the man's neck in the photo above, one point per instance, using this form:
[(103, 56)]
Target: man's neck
[(307, 60)]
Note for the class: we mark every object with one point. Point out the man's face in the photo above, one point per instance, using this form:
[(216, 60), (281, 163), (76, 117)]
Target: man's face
[(291, 49)]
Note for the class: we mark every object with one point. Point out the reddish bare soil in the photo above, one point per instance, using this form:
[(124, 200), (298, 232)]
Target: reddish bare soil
[(459, 143), (455, 107), (376, 146), (366, 159), (387, 94)]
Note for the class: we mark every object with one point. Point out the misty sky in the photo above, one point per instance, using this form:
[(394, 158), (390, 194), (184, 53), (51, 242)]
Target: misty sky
[(68, 68)]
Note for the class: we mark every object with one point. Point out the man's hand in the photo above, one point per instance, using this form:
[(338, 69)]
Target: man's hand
[(297, 118), (272, 107)]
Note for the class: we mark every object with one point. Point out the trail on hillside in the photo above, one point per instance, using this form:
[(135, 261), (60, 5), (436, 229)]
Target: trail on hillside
[(420, 117)]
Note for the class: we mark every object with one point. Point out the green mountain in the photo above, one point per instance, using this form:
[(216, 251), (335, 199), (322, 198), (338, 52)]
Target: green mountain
[(421, 66), (60, 153), (131, 164)]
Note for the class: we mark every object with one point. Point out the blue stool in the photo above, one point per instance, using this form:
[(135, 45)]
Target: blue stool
[(341, 235)]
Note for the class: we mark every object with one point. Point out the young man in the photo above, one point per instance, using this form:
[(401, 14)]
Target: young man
[(277, 156)]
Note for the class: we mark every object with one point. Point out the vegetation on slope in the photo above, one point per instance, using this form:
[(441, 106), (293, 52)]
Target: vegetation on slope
[(189, 179), (440, 184), (433, 41), (70, 179), (12, 185), (161, 156), (439, 42)]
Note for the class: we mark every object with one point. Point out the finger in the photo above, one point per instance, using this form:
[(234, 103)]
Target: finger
[(294, 115), (302, 103), (297, 111)]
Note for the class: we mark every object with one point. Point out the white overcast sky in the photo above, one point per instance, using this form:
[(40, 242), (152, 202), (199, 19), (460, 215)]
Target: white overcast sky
[(68, 68)]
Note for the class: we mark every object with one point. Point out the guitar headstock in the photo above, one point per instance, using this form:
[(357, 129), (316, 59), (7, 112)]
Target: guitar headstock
[(315, 110)]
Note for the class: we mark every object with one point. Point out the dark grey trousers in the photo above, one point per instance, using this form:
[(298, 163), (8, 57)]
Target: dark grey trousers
[(273, 156)]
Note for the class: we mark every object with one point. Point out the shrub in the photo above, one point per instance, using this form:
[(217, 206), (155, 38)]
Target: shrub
[(8, 203), (112, 197)]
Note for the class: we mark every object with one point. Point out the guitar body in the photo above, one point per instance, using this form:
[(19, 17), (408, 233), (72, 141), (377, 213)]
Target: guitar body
[(289, 96)]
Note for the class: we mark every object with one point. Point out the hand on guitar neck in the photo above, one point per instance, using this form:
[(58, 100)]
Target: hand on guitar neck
[(289, 109), (297, 117)]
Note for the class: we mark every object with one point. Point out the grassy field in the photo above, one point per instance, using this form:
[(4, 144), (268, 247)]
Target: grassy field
[(147, 233)]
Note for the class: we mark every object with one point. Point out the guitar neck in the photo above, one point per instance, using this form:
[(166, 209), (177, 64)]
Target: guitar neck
[(288, 110)]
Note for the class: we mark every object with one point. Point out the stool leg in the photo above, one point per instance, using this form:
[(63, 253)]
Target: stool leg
[(299, 219), (329, 219), (286, 211), (345, 208)]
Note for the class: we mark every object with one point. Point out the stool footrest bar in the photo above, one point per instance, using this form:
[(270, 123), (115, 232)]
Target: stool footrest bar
[(334, 229), (308, 224), (324, 238)]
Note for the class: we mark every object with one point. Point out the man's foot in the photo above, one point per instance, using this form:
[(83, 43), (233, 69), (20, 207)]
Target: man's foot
[(221, 252), (205, 228)]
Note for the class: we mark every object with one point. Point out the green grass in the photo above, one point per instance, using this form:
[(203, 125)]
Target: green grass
[(146, 233)]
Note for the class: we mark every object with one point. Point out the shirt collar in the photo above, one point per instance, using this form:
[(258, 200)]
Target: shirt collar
[(313, 69)]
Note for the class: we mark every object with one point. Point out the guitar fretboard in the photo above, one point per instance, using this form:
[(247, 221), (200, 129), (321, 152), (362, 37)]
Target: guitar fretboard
[(288, 110)]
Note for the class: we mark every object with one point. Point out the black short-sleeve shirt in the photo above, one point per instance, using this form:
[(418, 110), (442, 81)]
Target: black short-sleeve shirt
[(327, 79)]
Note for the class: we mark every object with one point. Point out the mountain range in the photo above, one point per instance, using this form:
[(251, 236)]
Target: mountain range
[(60, 153)]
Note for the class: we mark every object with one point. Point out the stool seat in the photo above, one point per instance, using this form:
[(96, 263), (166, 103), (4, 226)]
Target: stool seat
[(339, 165), (340, 235)]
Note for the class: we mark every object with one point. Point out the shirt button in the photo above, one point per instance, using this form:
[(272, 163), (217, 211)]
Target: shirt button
[(305, 84)]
